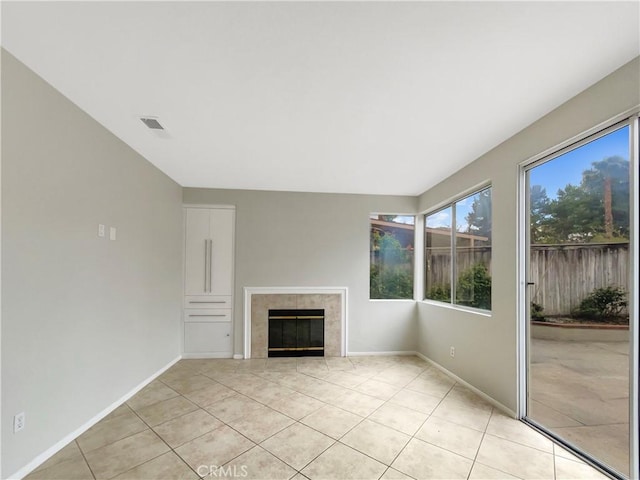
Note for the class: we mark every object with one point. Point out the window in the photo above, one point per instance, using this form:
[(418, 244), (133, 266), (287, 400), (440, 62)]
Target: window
[(458, 252), (391, 253)]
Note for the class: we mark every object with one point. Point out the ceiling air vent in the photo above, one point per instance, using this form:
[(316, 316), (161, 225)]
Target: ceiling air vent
[(152, 123)]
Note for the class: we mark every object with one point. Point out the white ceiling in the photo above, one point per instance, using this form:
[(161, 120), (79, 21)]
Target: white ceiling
[(362, 97)]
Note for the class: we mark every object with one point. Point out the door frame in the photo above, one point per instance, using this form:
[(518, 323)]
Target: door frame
[(627, 118)]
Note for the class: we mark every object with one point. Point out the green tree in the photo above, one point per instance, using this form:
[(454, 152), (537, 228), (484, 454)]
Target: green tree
[(595, 210), (573, 215), (479, 217), (608, 179), (539, 215)]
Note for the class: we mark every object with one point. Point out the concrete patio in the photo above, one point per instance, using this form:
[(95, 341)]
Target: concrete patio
[(580, 391)]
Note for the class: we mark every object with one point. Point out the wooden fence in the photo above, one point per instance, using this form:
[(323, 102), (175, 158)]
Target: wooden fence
[(439, 262), (563, 274)]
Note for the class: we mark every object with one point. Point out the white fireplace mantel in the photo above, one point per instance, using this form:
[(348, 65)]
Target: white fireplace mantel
[(249, 291)]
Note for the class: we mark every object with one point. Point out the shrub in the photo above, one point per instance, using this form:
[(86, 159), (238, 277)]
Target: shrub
[(390, 283), (440, 292), (602, 303), (474, 287), (536, 312)]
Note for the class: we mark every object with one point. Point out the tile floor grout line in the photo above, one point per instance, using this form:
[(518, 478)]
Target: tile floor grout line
[(154, 403), (84, 458), (316, 430), (341, 437), (314, 458), (473, 463), (185, 462), (352, 428), (171, 449), (501, 471), (118, 440), (520, 443), (485, 433), (413, 436), (172, 418)]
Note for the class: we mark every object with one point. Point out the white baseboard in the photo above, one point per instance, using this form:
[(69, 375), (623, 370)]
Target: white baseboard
[(51, 451), (238, 356), (191, 356), (381, 354), (475, 390)]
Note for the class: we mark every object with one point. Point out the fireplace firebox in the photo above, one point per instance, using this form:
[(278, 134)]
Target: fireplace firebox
[(296, 333)]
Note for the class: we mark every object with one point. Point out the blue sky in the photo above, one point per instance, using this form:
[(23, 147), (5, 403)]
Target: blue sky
[(408, 219), (568, 168), (443, 217)]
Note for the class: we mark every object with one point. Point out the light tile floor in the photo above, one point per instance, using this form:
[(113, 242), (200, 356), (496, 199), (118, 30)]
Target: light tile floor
[(316, 418)]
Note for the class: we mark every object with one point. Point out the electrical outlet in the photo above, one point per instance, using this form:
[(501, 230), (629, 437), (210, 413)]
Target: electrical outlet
[(452, 351), (100, 230), (18, 422)]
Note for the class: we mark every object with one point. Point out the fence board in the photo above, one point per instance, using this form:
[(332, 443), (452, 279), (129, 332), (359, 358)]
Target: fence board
[(566, 274), (563, 274)]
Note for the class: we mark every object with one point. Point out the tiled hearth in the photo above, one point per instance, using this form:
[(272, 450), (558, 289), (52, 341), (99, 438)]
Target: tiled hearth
[(258, 301)]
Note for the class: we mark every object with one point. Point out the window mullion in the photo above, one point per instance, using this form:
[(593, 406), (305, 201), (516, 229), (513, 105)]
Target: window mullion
[(453, 251)]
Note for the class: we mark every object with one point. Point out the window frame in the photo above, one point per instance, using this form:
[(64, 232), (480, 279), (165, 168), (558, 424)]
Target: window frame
[(451, 203)]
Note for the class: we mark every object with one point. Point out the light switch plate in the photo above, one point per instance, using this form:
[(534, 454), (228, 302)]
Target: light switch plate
[(112, 233), (100, 230)]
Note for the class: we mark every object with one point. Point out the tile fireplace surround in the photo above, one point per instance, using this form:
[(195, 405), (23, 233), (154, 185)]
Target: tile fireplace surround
[(258, 301)]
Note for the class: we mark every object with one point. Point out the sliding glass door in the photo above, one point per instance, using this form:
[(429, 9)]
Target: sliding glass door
[(578, 277)]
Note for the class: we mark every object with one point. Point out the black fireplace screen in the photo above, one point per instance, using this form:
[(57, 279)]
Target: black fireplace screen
[(296, 333)]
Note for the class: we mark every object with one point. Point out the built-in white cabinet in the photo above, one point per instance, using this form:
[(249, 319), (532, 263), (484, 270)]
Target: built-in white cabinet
[(209, 251), (207, 338), (208, 281)]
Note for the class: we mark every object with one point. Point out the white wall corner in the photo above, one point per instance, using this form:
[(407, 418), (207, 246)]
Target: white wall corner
[(475, 390)]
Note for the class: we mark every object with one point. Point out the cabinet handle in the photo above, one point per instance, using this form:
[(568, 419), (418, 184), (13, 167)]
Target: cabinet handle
[(207, 301), (206, 315), (207, 267), (210, 264), (206, 256)]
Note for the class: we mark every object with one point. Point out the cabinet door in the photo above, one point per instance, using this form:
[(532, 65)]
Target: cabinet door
[(197, 228), (222, 226), (207, 338)]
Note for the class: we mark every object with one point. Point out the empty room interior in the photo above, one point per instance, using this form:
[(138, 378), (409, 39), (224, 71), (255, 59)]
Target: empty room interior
[(319, 240)]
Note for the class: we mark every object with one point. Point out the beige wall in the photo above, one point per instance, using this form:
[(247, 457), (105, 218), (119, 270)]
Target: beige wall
[(84, 319), (486, 347), (288, 239)]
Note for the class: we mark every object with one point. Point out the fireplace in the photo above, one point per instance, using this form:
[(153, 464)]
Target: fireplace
[(295, 333), (259, 300)]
